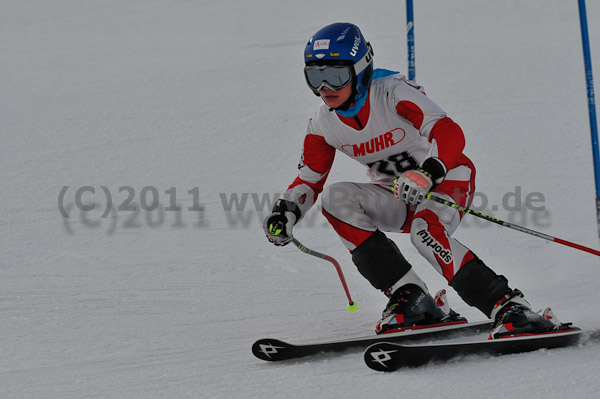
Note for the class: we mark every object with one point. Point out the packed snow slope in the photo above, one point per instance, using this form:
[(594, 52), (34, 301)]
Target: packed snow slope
[(143, 142)]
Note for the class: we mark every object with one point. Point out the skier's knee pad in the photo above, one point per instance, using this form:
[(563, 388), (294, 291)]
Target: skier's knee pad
[(431, 239), (379, 260), (480, 286)]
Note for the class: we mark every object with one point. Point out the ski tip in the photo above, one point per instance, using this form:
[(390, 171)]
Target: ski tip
[(270, 349)]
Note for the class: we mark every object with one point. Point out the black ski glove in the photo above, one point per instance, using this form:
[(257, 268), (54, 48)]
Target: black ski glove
[(279, 224)]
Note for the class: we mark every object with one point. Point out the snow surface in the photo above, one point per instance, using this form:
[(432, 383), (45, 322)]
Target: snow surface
[(209, 96)]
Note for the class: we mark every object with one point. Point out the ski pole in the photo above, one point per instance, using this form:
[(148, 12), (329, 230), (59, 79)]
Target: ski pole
[(351, 306), (451, 204)]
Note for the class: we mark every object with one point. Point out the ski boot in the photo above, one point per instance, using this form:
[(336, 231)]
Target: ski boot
[(410, 307), (513, 317)]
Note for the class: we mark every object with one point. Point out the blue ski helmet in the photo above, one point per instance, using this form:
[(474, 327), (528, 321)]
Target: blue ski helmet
[(342, 43)]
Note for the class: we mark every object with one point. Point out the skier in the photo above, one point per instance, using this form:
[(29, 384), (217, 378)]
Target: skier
[(410, 148)]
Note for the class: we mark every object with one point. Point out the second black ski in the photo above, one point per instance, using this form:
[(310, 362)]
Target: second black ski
[(389, 356)]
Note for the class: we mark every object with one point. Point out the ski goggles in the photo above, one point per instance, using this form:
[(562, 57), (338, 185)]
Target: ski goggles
[(335, 77)]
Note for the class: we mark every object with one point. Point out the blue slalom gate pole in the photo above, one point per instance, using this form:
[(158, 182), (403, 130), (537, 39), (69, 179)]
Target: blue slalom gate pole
[(410, 40), (587, 59)]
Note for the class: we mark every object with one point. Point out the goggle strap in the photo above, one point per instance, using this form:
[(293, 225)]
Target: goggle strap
[(364, 61)]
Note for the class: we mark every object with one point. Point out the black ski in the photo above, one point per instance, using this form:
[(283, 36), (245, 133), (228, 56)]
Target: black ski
[(274, 350), (388, 356)]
